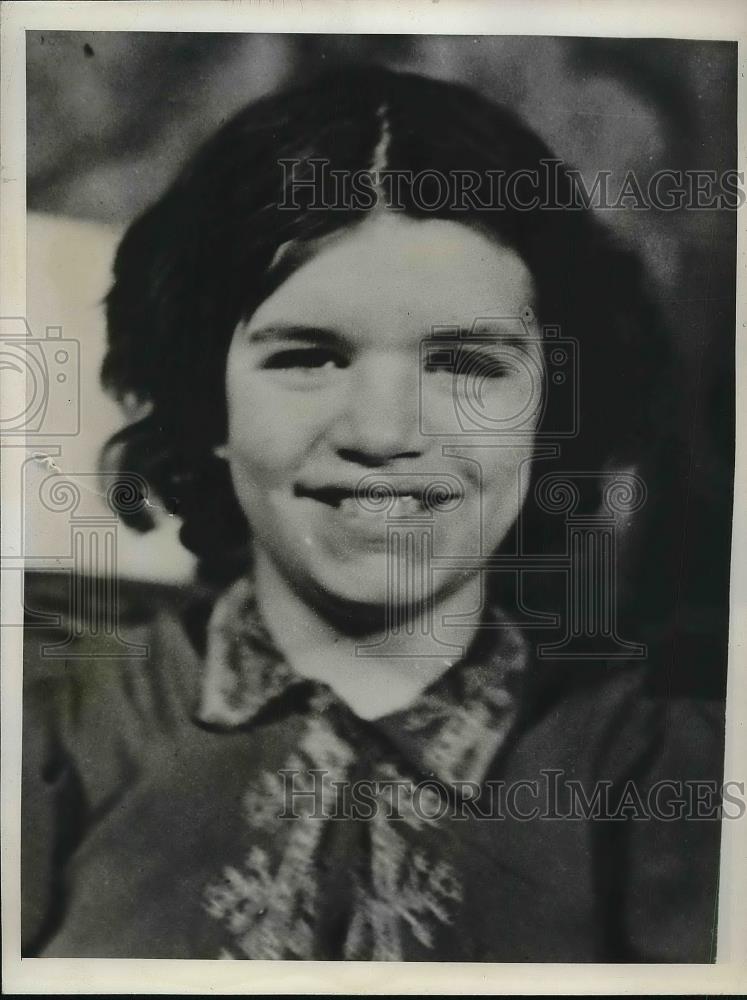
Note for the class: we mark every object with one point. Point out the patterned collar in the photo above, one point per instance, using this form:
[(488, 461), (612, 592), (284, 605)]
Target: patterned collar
[(452, 731)]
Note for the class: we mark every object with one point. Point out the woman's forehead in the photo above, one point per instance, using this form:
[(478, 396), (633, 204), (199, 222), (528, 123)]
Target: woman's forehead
[(392, 268)]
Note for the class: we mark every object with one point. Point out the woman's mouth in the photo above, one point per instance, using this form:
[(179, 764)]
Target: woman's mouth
[(380, 497)]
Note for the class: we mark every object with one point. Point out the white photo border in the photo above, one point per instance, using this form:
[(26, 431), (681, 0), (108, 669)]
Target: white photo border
[(716, 20)]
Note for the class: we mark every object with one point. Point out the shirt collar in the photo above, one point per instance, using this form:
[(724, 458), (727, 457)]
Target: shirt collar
[(452, 731)]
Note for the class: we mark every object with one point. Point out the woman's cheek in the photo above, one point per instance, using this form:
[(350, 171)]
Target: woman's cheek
[(281, 425), (261, 436)]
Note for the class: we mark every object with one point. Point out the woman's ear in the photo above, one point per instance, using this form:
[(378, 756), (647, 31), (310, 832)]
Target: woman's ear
[(221, 451)]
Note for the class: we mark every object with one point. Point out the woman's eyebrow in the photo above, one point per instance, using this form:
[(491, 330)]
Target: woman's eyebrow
[(492, 334), (287, 332), (278, 333)]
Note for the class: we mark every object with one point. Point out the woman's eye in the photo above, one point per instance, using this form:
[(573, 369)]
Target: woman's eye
[(471, 364), (305, 359)]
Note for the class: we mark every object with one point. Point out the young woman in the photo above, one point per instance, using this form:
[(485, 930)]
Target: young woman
[(346, 388)]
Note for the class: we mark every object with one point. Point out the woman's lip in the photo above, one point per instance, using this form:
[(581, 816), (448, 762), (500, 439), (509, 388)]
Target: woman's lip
[(330, 495), (352, 523), (367, 502)]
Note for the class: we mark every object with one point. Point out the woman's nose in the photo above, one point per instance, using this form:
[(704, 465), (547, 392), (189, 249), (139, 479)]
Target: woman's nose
[(379, 421)]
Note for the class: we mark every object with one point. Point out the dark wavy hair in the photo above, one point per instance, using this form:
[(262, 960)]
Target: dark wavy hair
[(198, 261)]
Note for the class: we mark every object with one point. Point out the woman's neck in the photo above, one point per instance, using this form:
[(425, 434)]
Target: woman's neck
[(368, 666)]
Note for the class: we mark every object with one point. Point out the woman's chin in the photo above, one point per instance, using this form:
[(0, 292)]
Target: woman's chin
[(366, 594), (367, 590)]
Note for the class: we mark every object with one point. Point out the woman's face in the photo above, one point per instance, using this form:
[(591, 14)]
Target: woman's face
[(402, 353)]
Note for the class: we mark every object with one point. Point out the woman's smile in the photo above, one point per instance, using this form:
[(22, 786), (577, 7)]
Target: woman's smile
[(367, 514), (371, 516)]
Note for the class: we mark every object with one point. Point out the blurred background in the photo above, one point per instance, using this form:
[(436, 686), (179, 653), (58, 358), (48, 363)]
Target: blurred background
[(112, 115)]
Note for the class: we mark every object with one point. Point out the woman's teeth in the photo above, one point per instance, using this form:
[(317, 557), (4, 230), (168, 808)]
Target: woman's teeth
[(409, 503), (383, 502), (403, 503)]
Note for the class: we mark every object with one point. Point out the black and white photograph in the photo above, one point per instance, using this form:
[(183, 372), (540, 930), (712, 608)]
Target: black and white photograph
[(376, 465)]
